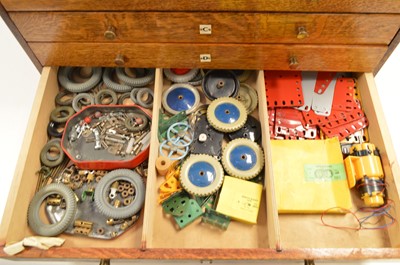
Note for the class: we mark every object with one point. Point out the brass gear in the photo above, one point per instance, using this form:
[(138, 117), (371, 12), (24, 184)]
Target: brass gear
[(243, 158), (226, 114), (201, 175)]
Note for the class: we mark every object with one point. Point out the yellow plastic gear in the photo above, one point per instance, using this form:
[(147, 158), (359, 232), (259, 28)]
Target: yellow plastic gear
[(201, 175), (243, 158), (226, 114)]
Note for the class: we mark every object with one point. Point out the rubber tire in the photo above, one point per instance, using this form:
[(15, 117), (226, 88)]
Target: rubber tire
[(196, 190), (235, 172), (113, 85), (54, 117), (79, 97), (64, 78), (101, 194), (136, 82), (61, 94), (133, 95), (101, 93), (145, 104), (180, 78), (141, 127), (52, 129), (34, 220), (43, 153), (123, 97)]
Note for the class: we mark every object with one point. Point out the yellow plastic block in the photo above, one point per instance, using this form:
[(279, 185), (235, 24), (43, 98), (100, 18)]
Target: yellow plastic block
[(309, 176), (240, 199)]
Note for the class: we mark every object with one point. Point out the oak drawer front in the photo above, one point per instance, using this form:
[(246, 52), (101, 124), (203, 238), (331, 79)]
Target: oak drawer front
[(206, 27), (222, 56), (151, 245), (350, 6)]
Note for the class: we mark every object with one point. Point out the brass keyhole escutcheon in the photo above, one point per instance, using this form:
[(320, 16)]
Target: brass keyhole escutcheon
[(302, 33), (110, 34)]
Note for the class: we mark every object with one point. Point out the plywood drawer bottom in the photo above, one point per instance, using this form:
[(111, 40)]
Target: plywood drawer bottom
[(276, 236)]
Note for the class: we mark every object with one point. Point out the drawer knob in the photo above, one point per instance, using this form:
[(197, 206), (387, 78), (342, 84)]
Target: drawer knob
[(110, 34), (293, 62), (302, 32), (119, 60), (104, 262)]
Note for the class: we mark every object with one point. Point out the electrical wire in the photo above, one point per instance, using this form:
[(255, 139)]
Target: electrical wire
[(363, 222)]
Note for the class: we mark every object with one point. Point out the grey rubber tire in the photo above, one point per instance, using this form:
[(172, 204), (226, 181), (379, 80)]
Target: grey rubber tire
[(123, 97), (64, 78), (34, 220), (138, 81), (180, 78), (149, 102), (197, 80), (102, 191), (98, 98), (107, 79), (77, 98), (133, 95), (56, 143), (129, 122), (62, 94), (55, 115)]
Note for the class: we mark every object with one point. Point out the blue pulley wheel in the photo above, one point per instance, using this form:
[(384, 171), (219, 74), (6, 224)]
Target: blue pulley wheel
[(181, 97)]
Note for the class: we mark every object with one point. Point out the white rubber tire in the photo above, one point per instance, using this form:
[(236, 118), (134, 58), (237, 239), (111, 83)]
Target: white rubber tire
[(216, 121)]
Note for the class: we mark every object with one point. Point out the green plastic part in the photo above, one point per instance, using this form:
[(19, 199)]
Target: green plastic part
[(193, 211), (216, 219), (177, 204), (164, 123), (206, 202), (86, 194)]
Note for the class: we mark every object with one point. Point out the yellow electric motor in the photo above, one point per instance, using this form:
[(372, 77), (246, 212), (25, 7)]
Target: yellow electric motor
[(364, 170)]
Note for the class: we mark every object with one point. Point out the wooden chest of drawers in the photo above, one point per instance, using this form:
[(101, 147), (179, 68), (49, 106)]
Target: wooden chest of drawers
[(351, 36)]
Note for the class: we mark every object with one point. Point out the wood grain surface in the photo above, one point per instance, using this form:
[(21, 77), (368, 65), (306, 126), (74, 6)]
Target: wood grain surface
[(351, 6), (210, 254), (226, 27), (357, 58)]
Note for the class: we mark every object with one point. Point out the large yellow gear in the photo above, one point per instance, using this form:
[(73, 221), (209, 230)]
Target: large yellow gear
[(226, 114)]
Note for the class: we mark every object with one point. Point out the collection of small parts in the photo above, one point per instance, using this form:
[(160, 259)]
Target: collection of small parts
[(322, 105), (209, 153), (92, 179)]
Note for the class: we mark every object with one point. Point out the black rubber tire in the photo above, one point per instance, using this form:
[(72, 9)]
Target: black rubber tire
[(107, 79), (44, 157), (62, 94), (64, 78), (148, 77), (56, 117), (34, 220), (98, 98), (52, 129), (102, 189), (149, 102)]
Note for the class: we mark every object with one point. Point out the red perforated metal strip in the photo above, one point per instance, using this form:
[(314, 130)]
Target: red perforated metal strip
[(283, 89)]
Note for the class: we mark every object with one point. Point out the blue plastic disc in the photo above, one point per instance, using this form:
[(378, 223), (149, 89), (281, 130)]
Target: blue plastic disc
[(227, 113), (181, 99), (243, 157), (201, 174)]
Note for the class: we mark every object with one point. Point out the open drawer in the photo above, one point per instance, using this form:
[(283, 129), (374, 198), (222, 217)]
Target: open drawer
[(275, 236)]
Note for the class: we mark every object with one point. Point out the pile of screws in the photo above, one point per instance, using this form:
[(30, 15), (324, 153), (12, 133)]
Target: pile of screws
[(119, 133)]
